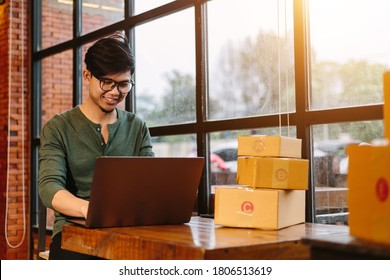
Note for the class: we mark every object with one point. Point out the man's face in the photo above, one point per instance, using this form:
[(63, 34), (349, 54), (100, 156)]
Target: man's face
[(108, 91)]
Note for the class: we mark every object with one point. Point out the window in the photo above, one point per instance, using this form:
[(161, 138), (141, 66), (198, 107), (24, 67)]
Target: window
[(165, 74), (174, 146), (56, 22), (144, 6), (251, 64), (347, 57), (330, 165), (208, 71), (56, 84), (100, 13), (347, 64)]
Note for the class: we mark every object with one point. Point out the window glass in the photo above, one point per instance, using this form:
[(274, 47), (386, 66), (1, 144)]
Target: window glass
[(251, 58), (57, 22), (143, 6), (348, 56), (223, 149), (330, 166), (57, 85), (165, 70), (100, 13), (175, 146)]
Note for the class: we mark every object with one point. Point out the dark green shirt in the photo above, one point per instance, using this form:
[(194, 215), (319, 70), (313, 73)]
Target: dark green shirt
[(70, 144)]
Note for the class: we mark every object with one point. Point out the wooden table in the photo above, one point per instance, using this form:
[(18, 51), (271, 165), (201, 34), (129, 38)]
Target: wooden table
[(345, 247), (198, 239)]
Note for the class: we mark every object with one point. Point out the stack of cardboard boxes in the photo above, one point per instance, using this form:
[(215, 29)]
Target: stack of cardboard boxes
[(369, 184), (272, 180)]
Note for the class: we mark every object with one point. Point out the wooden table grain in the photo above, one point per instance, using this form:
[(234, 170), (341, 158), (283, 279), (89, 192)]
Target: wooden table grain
[(198, 239), (345, 247)]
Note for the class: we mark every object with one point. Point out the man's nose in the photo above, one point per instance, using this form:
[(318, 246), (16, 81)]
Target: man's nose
[(115, 90)]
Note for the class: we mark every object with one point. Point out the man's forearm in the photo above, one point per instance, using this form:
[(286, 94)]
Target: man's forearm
[(70, 205)]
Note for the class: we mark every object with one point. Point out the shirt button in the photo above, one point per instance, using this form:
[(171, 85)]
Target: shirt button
[(98, 129), (102, 143)]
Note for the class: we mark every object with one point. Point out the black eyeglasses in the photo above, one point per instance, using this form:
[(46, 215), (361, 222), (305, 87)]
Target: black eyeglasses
[(123, 87)]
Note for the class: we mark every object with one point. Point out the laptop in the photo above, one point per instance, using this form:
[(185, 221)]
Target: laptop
[(140, 191)]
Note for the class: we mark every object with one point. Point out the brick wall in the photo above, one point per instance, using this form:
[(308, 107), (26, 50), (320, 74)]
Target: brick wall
[(57, 70), (4, 23), (57, 87), (14, 126)]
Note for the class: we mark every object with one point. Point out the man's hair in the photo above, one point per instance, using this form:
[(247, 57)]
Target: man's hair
[(110, 55)]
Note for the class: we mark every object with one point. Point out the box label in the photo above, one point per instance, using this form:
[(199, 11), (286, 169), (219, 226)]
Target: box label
[(382, 189), (281, 171), (247, 207)]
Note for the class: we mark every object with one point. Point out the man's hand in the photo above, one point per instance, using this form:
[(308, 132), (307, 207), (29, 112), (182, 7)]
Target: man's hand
[(84, 209), (70, 205)]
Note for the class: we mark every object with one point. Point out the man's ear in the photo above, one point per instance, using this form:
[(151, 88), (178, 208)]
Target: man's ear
[(87, 75)]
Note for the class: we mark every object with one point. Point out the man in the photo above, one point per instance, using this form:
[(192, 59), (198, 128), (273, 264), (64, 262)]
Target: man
[(71, 141)]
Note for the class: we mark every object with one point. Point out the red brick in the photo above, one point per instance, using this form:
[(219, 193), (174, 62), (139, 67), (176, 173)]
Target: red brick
[(15, 227)]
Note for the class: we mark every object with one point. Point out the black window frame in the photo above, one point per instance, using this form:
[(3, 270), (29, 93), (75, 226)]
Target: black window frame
[(303, 118)]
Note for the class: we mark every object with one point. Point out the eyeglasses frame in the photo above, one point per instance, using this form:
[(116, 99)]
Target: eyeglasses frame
[(115, 85)]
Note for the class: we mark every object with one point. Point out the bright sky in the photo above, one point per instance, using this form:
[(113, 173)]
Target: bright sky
[(340, 30), (345, 29)]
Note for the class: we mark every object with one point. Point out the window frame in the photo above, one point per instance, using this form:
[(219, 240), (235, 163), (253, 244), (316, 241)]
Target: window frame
[(303, 118)]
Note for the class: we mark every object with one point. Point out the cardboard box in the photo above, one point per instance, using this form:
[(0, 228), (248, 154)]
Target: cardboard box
[(269, 146), (275, 173), (386, 107), (247, 207), (369, 192)]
